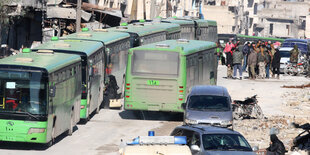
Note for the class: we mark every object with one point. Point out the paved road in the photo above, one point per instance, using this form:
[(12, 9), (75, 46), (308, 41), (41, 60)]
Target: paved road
[(102, 134)]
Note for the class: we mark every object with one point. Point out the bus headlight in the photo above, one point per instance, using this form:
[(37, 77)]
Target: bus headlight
[(190, 121), (36, 130)]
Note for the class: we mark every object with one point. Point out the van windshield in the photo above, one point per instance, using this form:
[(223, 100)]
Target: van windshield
[(285, 54), (154, 63), (208, 103)]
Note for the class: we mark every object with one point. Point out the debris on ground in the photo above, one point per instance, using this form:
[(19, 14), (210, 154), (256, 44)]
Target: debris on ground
[(296, 106), (299, 86), (257, 131)]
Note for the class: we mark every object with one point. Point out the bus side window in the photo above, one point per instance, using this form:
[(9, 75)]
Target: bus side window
[(63, 75)]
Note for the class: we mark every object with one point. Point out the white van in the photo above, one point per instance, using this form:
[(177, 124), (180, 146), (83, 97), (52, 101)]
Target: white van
[(156, 145)]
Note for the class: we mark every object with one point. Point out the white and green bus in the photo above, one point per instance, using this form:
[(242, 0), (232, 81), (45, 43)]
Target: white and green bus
[(40, 96), (159, 75)]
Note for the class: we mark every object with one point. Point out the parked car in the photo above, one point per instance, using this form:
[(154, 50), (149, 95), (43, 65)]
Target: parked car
[(210, 140), (285, 57), (209, 105), (303, 44)]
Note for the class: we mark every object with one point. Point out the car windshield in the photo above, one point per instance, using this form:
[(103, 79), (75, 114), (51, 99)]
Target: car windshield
[(285, 54), (22, 92), (208, 103), (225, 142)]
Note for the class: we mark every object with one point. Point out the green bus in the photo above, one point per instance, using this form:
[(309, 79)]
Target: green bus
[(173, 30), (245, 38), (92, 60), (188, 30), (40, 96), (206, 30), (224, 38), (116, 46), (142, 33), (159, 75), (192, 28)]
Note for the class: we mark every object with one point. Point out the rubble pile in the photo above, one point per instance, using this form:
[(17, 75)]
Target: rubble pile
[(297, 103), (257, 131), (296, 106)]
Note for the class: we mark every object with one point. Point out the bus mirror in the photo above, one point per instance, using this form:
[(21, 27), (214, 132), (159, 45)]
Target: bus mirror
[(52, 91)]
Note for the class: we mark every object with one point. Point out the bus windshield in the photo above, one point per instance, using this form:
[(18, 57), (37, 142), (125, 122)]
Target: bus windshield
[(208, 102), (155, 63), (22, 92)]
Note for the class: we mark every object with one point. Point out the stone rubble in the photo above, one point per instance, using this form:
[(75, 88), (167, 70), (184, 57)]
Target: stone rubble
[(296, 106)]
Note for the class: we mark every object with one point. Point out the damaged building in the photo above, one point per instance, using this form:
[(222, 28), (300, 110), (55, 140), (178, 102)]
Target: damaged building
[(32, 22), (267, 18)]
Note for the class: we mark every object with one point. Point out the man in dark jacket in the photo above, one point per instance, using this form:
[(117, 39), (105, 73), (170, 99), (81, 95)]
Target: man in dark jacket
[(237, 61), (268, 61), (276, 64), (229, 63), (276, 147), (246, 52)]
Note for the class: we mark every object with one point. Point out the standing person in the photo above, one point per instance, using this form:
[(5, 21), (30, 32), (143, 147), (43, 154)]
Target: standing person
[(252, 62), (276, 147), (294, 55), (228, 46), (261, 59), (273, 51), (219, 52), (258, 44), (237, 61), (268, 60), (229, 63), (246, 52), (276, 64), (258, 51), (229, 60)]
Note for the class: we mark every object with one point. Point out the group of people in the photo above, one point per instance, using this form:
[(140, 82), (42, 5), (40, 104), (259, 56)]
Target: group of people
[(256, 58)]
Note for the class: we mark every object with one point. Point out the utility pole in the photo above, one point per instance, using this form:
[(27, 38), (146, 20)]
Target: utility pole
[(242, 21), (237, 18), (133, 14), (78, 15), (144, 10)]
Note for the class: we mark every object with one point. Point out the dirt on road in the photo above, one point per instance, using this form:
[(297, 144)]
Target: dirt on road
[(281, 106)]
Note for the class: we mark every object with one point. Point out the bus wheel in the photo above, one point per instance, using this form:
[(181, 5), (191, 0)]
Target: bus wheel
[(70, 131)]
